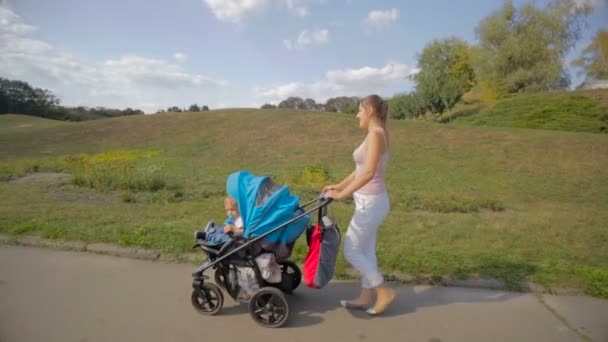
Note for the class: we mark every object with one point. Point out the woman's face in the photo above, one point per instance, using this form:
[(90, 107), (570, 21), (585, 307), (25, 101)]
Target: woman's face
[(364, 116)]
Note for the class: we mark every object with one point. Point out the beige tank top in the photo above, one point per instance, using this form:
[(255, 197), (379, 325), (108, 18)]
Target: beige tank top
[(376, 185)]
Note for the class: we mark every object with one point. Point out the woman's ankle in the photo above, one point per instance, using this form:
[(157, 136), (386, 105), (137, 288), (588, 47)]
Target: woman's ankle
[(366, 295)]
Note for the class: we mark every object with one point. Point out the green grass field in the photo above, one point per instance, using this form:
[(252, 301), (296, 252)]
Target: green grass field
[(579, 111), (509, 203)]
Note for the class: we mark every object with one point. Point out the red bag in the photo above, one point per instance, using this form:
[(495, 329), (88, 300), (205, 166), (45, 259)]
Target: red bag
[(323, 245)]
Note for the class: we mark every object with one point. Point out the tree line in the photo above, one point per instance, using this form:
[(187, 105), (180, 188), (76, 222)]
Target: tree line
[(340, 104), (19, 97), (192, 108)]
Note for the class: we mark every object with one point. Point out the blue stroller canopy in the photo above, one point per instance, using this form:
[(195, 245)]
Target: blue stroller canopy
[(263, 206)]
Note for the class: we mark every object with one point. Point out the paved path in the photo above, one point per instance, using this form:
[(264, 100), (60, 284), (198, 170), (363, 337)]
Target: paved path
[(66, 296)]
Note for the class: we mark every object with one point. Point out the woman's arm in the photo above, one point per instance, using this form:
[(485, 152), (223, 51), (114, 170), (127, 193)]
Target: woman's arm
[(346, 181), (340, 185)]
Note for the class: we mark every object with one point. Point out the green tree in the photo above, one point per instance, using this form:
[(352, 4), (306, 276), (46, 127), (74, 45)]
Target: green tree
[(406, 106), (21, 98), (445, 73), (522, 49), (594, 59), (194, 108)]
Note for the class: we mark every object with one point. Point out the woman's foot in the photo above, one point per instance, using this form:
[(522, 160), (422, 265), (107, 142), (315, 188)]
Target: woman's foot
[(385, 298), (362, 302), (354, 304)]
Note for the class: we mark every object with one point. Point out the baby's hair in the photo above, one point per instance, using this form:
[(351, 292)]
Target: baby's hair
[(230, 200)]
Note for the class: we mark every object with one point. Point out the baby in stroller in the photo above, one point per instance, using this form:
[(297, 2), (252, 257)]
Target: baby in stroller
[(233, 225), (254, 266)]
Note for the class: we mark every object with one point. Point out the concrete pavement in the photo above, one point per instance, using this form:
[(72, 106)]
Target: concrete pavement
[(49, 295)]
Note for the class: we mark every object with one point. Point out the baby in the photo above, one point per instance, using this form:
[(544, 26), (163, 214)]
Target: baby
[(232, 226)]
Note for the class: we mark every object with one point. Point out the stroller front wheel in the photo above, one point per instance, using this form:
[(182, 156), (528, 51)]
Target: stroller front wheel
[(269, 308), (208, 299)]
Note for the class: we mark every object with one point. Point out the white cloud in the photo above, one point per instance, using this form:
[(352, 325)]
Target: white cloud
[(11, 23), (234, 10), (380, 19), (347, 82), (124, 81), (180, 56), (155, 72), (306, 37)]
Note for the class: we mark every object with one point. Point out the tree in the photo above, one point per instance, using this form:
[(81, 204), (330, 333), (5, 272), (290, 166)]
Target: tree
[(21, 98), (342, 104), (194, 108), (594, 59), (205, 108), (268, 106), (445, 74), (406, 106), (293, 103), (522, 49)]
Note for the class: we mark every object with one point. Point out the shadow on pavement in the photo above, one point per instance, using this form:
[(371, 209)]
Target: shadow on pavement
[(307, 306)]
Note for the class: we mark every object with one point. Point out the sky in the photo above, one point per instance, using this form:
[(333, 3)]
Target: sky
[(152, 55)]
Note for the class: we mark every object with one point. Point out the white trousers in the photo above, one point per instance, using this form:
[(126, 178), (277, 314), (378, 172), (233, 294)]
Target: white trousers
[(360, 240)]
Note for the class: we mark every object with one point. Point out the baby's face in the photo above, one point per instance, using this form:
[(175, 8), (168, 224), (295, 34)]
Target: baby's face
[(231, 210)]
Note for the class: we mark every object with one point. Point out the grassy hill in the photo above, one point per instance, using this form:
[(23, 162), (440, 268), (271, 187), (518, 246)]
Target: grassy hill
[(580, 111), (509, 203)]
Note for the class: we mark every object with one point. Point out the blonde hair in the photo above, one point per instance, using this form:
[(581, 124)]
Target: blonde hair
[(379, 106), (230, 201)]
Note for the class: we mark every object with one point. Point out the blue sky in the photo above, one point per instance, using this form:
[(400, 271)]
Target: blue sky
[(230, 53)]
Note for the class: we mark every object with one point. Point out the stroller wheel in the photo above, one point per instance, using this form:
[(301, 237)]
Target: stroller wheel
[(208, 299), (291, 270), (219, 278), (269, 308)]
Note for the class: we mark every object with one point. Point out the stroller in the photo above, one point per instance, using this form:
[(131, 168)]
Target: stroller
[(273, 220)]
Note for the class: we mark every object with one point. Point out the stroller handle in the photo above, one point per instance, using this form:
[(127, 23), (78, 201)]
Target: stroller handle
[(321, 199)]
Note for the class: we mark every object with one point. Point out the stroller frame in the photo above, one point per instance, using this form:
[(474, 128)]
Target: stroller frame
[(268, 306)]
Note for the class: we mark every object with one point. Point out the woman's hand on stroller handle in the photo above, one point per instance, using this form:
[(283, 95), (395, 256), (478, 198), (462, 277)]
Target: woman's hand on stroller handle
[(329, 187), (323, 197)]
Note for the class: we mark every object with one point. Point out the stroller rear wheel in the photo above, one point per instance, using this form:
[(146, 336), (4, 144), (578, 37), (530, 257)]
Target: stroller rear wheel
[(208, 299), (269, 308)]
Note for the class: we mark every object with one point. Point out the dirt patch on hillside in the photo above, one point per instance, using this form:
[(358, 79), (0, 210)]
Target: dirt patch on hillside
[(45, 179), (60, 188)]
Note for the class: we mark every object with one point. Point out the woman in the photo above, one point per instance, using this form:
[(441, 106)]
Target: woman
[(366, 185)]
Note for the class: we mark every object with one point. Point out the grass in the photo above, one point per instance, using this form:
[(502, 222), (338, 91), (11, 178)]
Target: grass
[(515, 204), (583, 111)]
